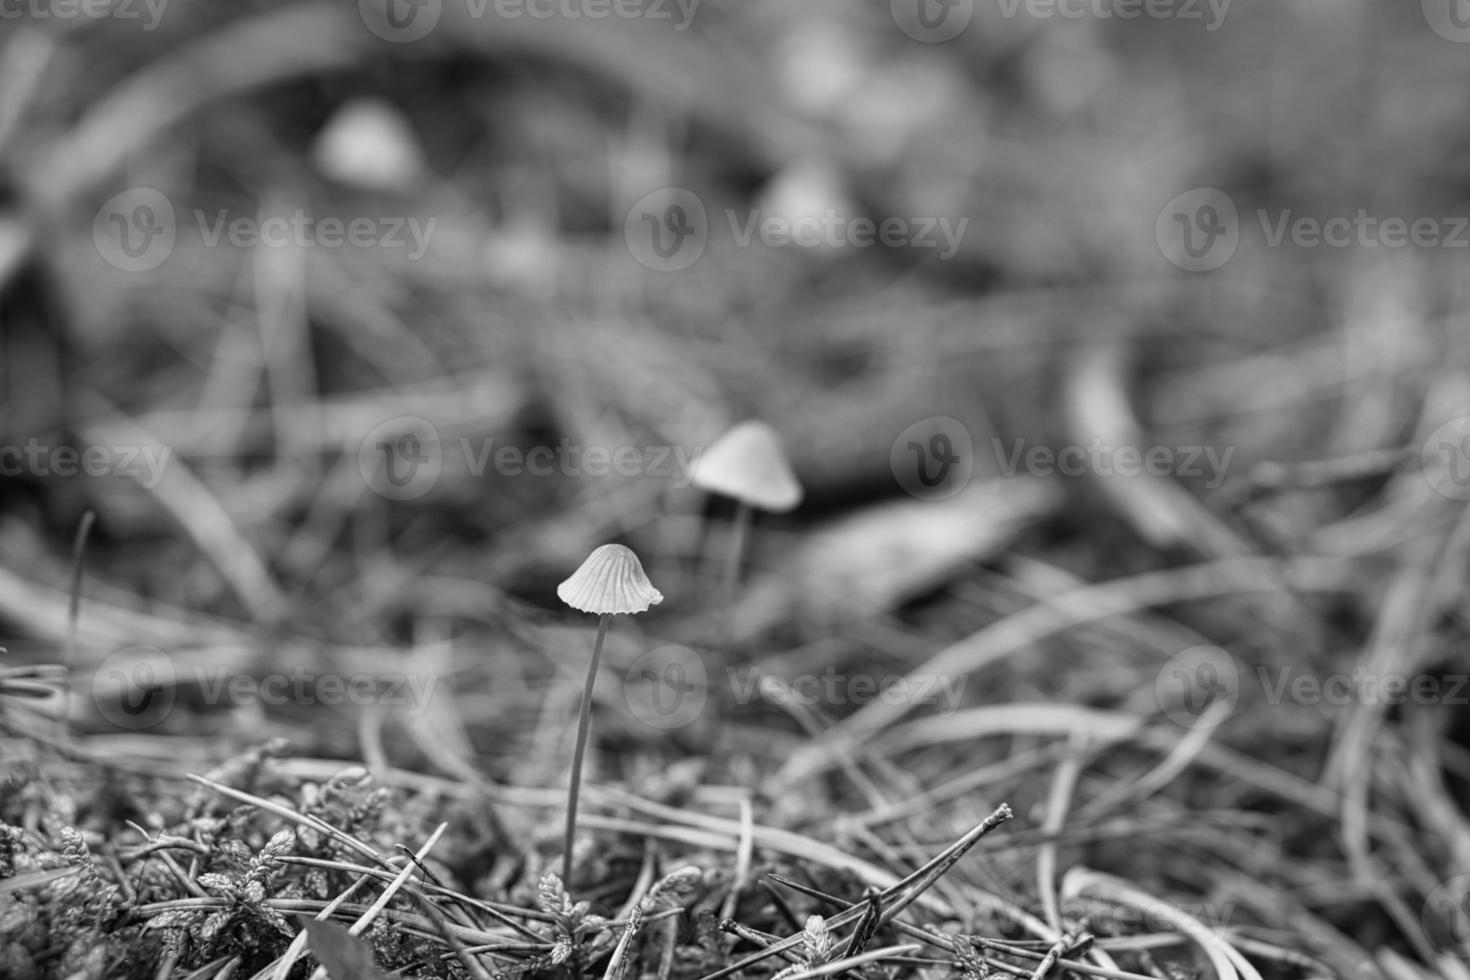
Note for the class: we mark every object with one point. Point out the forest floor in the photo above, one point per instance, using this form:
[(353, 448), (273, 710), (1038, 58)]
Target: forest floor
[(1123, 361)]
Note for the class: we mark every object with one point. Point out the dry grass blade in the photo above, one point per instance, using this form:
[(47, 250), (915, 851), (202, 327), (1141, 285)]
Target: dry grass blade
[(286, 813), (903, 893), (850, 962), (876, 559), (252, 53), (199, 511), (1162, 511), (372, 912), (622, 957), (1017, 632), (1008, 949), (35, 879), (1228, 963)]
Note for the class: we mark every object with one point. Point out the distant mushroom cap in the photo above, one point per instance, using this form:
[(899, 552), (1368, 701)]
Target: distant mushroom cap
[(749, 464), (611, 580)]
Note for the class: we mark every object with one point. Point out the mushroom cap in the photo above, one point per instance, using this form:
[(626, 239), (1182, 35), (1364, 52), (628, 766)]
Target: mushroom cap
[(748, 463), (611, 580)]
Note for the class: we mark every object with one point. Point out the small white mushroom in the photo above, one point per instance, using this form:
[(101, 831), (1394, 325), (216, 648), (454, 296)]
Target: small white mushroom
[(609, 582), (749, 465)]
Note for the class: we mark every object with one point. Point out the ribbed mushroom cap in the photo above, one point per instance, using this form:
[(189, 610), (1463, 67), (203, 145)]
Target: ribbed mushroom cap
[(611, 580), (748, 463)]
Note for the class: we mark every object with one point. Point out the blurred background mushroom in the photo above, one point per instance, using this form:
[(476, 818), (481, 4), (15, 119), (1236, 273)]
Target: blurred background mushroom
[(748, 465)]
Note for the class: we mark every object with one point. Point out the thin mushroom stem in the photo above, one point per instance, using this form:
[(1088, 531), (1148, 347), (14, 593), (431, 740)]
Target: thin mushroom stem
[(739, 531), (584, 720)]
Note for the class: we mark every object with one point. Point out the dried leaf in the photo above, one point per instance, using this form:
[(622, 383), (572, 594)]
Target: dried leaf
[(345, 956), (879, 557)]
